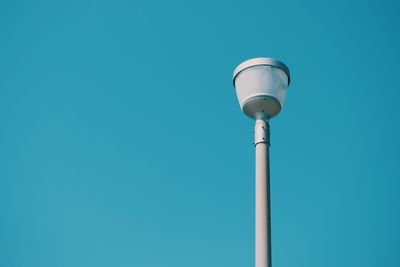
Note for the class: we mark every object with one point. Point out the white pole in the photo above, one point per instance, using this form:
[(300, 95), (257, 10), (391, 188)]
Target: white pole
[(263, 219)]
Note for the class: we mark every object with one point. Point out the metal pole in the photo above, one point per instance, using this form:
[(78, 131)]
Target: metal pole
[(263, 218)]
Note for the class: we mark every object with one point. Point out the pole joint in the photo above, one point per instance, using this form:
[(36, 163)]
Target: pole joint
[(261, 132)]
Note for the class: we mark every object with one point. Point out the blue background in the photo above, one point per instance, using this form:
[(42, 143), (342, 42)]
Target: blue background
[(122, 142)]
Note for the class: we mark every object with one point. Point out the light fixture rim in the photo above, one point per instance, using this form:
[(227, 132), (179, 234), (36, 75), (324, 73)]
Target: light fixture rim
[(261, 61), (256, 97)]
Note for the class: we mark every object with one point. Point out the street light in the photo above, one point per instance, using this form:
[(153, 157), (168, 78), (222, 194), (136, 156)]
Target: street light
[(261, 85)]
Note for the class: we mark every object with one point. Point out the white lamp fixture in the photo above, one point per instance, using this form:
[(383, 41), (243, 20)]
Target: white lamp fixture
[(261, 85)]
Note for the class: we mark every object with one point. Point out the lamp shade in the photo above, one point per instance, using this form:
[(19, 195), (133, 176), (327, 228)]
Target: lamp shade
[(261, 85)]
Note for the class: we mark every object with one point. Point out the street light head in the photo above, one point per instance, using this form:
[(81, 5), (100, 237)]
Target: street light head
[(261, 85)]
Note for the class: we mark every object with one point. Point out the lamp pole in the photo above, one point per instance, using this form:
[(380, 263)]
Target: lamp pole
[(263, 203), (261, 85)]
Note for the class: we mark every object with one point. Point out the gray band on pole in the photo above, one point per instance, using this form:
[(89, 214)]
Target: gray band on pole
[(261, 132)]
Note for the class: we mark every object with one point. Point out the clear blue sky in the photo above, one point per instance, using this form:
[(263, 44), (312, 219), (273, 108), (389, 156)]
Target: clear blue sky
[(122, 142)]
